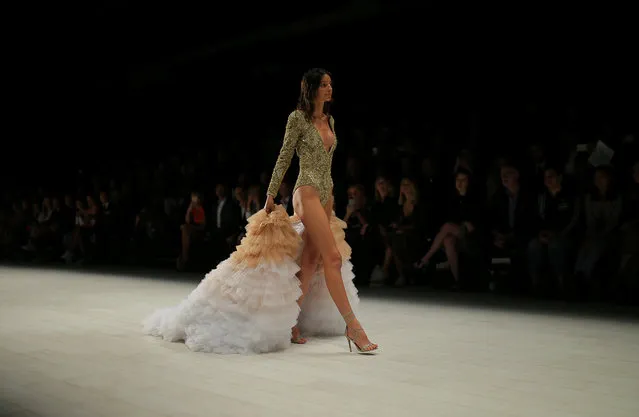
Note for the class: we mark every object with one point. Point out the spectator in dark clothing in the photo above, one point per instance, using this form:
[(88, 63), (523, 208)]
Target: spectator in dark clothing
[(558, 218), (384, 212), (603, 209), (228, 220), (461, 221), (358, 233), (627, 283), (512, 213), (385, 208), (512, 216), (407, 231)]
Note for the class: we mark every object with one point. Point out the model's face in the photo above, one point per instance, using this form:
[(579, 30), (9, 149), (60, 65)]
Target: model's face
[(325, 90)]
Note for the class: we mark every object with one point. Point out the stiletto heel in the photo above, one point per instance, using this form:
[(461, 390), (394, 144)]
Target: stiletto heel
[(369, 349)]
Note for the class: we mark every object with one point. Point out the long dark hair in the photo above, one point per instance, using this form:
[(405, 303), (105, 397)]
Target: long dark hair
[(310, 84)]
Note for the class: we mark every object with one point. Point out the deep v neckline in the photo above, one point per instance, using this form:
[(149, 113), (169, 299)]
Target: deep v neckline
[(319, 134)]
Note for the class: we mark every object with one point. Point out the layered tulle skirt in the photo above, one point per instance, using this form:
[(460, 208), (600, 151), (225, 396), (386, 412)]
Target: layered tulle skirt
[(248, 303)]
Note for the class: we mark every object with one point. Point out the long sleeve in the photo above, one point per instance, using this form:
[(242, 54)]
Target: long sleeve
[(291, 136)]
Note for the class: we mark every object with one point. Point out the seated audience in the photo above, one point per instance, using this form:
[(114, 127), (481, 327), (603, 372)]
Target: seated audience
[(462, 217), (406, 232), (383, 214), (602, 213), (358, 220), (193, 227), (511, 215), (558, 219)]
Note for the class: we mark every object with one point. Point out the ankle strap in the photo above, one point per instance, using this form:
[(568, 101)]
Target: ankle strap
[(348, 317)]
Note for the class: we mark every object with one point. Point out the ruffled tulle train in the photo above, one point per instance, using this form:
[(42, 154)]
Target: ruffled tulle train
[(248, 303)]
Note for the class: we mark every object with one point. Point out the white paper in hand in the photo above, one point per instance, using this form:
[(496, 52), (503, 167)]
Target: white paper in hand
[(602, 155)]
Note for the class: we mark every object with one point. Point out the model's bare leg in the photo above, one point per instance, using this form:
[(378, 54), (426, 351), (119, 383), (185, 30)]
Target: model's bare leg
[(308, 265), (316, 224)]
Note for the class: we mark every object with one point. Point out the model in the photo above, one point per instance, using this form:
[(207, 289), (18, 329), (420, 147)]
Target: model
[(250, 302), (310, 131)]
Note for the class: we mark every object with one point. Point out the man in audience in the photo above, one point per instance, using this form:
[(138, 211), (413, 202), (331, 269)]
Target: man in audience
[(512, 214), (228, 220), (555, 240)]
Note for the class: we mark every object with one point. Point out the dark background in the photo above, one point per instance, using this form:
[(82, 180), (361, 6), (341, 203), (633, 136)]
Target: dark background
[(138, 78)]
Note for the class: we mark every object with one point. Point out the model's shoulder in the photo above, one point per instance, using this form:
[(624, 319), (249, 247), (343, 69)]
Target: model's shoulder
[(296, 115)]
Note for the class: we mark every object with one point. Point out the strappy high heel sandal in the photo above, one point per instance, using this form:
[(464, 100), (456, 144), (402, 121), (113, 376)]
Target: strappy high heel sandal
[(369, 349), (296, 337)]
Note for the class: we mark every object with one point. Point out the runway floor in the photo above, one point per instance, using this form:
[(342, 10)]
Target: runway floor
[(70, 345)]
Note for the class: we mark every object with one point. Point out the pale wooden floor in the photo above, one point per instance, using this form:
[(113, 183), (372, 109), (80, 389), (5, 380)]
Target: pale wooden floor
[(70, 345)]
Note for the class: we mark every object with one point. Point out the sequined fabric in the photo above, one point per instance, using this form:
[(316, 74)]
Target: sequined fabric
[(315, 162)]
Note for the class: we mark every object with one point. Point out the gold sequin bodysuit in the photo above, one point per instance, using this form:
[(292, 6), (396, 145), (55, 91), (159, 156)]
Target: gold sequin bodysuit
[(315, 162)]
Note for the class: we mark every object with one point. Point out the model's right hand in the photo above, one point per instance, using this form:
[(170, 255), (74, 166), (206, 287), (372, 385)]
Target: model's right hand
[(269, 205)]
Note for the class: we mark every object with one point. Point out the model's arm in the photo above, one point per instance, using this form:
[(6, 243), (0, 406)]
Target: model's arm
[(293, 132)]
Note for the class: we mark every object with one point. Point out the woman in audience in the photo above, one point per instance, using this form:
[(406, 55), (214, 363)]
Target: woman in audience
[(405, 231), (383, 212), (40, 227), (194, 224), (358, 219), (85, 218), (459, 230), (241, 197), (602, 212)]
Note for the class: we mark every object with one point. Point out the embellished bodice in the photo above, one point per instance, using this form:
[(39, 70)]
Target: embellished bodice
[(304, 138)]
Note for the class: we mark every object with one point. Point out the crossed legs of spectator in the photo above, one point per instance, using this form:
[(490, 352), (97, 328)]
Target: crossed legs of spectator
[(447, 238)]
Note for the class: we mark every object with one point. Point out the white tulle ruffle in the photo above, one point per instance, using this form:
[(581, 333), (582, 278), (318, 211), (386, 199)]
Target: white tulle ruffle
[(319, 315), (234, 310)]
